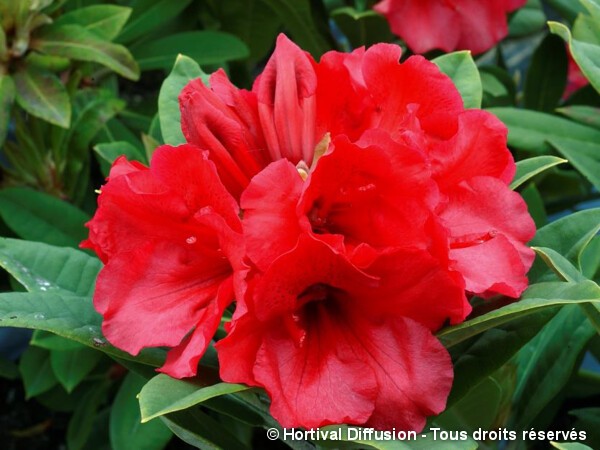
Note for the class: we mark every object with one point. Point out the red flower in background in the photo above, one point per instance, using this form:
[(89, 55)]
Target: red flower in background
[(371, 200), (448, 25)]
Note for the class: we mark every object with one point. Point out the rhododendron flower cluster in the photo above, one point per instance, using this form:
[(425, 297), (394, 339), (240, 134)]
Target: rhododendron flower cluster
[(349, 207), (449, 25)]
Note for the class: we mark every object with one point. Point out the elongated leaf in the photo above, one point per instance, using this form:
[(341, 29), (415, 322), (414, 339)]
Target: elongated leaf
[(149, 15), (538, 297), (7, 98), (585, 54), (72, 366), (205, 47), (559, 264), (184, 71), (75, 42), (45, 268), (461, 68), (362, 27), (50, 341), (65, 315), (106, 21), (40, 217), (531, 130), (36, 371), (42, 95), (110, 151), (547, 362), (586, 115), (528, 168), (82, 421), (126, 430), (163, 395), (570, 446), (297, 18), (547, 75), (567, 8), (528, 19), (584, 156)]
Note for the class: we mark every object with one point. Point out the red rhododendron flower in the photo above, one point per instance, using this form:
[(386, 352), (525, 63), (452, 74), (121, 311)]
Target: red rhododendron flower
[(448, 25), (168, 235), (371, 200)]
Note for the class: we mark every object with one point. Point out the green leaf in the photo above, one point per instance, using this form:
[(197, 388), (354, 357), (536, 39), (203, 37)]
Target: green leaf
[(50, 341), (527, 20), (82, 421), (75, 42), (528, 168), (461, 68), (37, 216), (206, 47), (531, 130), (7, 98), (42, 95), (535, 205), (297, 18), (584, 156), (547, 75), (568, 9), (110, 151), (126, 430), (538, 297), (200, 430), (362, 27), (8, 369), (36, 371), (547, 363), (149, 15), (570, 446), (250, 20), (72, 366), (560, 265), (163, 395), (184, 71), (106, 21), (45, 268), (68, 316), (586, 115), (586, 55)]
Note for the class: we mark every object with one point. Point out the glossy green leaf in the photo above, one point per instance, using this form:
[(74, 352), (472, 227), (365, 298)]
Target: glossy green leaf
[(200, 430), (559, 264), (45, 268), (42, 95), (538, 297), (547, 75), (586, 115), (570, 446), (51, 341), (298, 19), (362, 27), (461, 68), (150, 15), (535, 205), (531, 130), (7, 98), (547, 363), (184, 71), (40, 217), (106, 21), (585, 54), (590, 259), (584, 156), (126, 430), (205, 47), (36, 371), (75, 42), (82, 422), (528, 168), (68, 316), (163, 395), (527, 20), (250, 20), (110, 151), (72, 366)]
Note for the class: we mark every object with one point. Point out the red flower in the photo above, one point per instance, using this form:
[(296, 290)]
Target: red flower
[(331, 344), (165, 234), (449, 25)]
